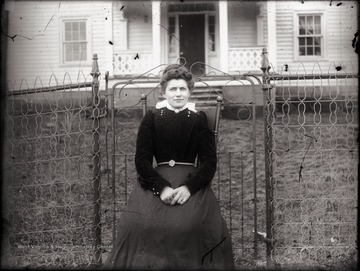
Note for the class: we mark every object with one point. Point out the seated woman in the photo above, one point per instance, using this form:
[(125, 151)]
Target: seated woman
[(173, 220)]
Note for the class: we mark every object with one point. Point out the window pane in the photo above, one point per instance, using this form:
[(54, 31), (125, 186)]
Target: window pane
[(302, 50), (67, 31), (211, 27), (318, 51), (172, 40), (83, 51), (309, 20), (75, 31), (211, 19), (301, 41), (301, 20), (317, 41), (309, 30), (309, 25), (67, 35), (302, 25), (82, 31), (68, 52), (67, 26), (76, 51), (317, 20), (309, 41), (212, 42), (310, 51)]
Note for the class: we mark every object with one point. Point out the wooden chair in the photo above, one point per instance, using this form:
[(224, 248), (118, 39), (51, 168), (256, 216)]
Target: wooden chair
[(213, 113)]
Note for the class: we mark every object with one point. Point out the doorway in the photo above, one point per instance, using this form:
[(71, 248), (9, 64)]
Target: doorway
[(192, 42)]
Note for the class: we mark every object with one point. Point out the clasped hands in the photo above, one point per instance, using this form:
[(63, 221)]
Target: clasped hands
[(172, 196)]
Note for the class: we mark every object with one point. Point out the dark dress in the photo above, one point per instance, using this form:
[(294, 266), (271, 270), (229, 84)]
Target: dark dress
[(154, 235)]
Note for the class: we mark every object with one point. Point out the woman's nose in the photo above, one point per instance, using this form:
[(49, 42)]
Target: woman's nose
[(178, 92)]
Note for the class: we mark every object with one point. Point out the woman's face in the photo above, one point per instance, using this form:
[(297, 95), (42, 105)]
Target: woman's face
[(177, 93)]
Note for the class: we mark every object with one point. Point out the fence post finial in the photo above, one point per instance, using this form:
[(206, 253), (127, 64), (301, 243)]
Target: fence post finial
[(265, 67), (144, 103), (95, 73)]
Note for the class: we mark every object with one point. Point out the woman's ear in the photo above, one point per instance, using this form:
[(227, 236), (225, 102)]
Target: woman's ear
[(163, 94)]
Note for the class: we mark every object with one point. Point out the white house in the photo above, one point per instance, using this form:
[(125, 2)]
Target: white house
[(132, 37)]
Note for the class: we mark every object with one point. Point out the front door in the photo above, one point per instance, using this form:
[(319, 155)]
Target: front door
[(192, 46)]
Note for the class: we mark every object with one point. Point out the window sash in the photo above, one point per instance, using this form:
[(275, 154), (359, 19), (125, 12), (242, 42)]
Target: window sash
[(75, 43), (310, 38)]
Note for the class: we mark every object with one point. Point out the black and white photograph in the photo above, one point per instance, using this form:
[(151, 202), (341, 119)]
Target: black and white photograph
[(179, 135)]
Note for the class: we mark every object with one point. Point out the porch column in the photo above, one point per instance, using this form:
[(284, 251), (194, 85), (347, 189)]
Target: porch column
[(109, 37), (271, 22), (156, 28), (260, 23), (223, 35)]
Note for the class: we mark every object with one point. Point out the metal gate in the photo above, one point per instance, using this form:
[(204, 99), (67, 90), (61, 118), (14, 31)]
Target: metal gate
[(238, 183)]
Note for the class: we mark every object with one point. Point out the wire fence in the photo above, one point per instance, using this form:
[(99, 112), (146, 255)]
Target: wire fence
[(47, 187), (312, 130), (67, 179)]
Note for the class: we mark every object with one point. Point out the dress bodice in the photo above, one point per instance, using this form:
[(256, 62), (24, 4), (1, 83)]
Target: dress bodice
[(177, 135), (181, 137)]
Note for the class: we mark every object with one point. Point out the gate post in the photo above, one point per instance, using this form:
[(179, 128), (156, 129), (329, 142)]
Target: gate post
[(96, 158), (268, 119)]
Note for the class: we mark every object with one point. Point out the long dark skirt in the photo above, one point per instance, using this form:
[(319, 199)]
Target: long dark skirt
[(156, 236)]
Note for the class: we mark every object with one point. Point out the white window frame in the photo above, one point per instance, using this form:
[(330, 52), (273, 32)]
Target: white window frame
[(88, 60), (323, 56)]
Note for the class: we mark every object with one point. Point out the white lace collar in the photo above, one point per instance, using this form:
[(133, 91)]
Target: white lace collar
[(190, 106)]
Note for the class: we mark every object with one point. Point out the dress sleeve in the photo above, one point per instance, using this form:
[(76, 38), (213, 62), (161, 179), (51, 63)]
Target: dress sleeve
[(147, 176), (206, 156)]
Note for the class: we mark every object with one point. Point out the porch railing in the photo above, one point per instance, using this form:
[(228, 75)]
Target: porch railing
[(245, 59), (132, 62), (135, 62)]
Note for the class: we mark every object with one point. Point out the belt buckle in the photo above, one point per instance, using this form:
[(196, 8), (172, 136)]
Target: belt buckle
[(171, 163)]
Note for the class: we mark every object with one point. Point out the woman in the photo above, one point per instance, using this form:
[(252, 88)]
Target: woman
[(172, 220)]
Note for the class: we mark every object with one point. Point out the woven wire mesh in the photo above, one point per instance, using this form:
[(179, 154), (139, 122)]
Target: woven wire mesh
[(47, 187), (314, 155)]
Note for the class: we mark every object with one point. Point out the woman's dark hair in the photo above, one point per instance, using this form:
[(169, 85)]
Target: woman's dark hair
[(176, 71)]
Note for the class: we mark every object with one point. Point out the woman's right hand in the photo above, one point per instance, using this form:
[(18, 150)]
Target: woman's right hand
[(167, 195)]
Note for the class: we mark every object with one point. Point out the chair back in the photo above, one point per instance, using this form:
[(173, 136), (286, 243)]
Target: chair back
[(213, 113)]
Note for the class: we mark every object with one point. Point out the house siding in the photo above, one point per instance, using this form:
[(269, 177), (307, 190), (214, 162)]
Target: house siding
[(340, 27), (242, 24), (265, 27), (38, 55), (139, 25)]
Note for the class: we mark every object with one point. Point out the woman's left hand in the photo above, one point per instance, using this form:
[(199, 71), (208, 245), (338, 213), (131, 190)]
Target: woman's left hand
[(182, 194)]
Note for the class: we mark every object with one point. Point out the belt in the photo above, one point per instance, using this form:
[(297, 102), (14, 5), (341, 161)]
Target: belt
[(172, 163)]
